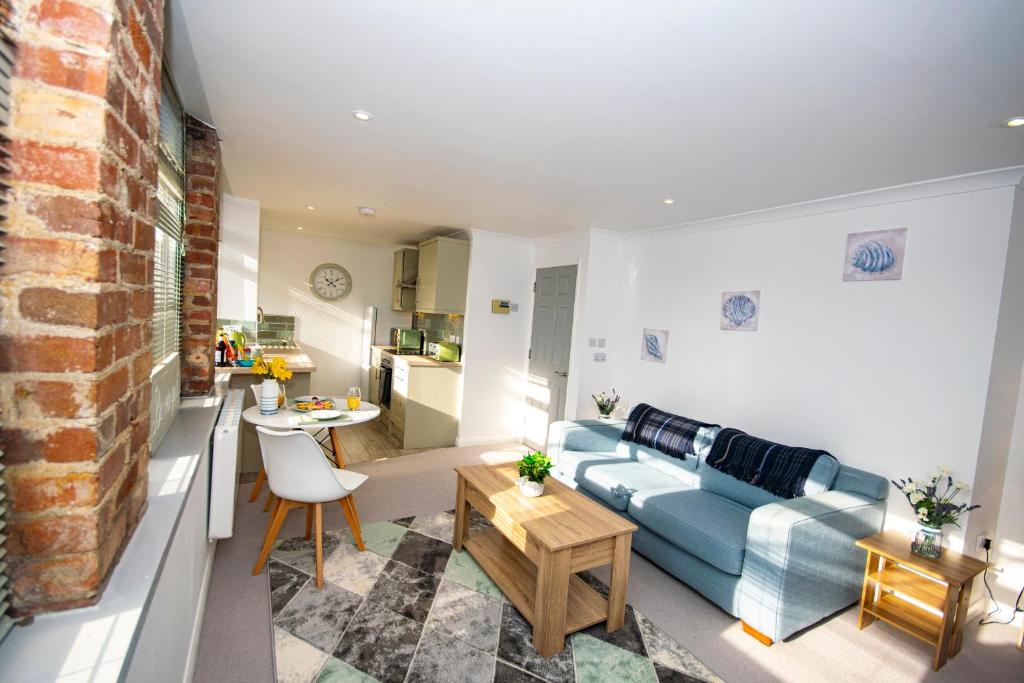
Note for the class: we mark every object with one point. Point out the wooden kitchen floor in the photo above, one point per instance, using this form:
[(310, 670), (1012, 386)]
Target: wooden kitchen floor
[(371, 441)]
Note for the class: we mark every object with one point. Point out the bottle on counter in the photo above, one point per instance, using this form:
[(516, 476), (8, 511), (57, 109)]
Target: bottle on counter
[(221, 355)]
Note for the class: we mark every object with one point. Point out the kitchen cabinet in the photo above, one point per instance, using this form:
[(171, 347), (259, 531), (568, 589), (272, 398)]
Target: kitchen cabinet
[(443, 276), (403, 281), (425, 398)]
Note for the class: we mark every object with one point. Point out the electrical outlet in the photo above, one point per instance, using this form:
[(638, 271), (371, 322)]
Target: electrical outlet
[(982, 543)]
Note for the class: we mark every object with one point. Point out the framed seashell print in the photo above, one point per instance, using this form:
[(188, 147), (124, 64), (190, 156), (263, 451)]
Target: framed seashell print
[(875, 255), (741, 310), (655, 346)]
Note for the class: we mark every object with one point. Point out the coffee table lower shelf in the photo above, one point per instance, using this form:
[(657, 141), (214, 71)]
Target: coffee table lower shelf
[(516, 576)]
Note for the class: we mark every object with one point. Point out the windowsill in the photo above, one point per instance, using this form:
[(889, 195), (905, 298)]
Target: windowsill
[(95, 643)]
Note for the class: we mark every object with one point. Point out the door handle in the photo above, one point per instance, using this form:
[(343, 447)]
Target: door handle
[(561, 374)]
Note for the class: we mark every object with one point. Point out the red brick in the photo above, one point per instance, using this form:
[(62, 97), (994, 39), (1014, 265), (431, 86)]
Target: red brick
[(50, 398), (127, 340), (200, 214), (139, 40), (53, 354), (66, 167), (111, 467), (120, 140), (142, 304), (70, 532), (111, 388), (116, 92), (62, 68), (133, 268), (142, 366), (202, 244), (137, 118), (56, 581), (201, 257), (82, 309), (200, 199), (61, 213), (145, 236), (71, 444), (195, 229), (33, 489), (72, 21)]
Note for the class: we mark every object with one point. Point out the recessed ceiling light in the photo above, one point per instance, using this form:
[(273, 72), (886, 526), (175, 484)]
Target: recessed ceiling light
[(298, 227), (668, 200), (310, 207), (367, 211), (362, 115), (1015, 122)]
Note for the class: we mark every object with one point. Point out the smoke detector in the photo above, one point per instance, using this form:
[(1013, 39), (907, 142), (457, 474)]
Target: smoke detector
[(367, 211)]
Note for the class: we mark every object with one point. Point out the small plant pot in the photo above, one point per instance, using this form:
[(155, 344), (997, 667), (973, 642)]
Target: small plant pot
[(530, 489)]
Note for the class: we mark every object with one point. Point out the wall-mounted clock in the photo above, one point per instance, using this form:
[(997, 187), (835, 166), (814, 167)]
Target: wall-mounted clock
[(330, 282)]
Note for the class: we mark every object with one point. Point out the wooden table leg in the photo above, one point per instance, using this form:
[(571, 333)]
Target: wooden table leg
[(550, 601), (619, 582), (963, 605), (336, 442), (946, 630), (461, 514), (867, 593)]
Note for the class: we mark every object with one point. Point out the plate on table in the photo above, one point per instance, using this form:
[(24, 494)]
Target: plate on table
[(305, 404), (324, 414)]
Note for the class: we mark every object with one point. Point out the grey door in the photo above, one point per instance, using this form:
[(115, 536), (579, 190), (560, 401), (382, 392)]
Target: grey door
[(555, 292)]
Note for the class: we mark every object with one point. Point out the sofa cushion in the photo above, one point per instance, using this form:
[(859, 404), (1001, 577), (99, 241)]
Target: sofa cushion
[(684, 470), (570, 465), (614, 483), (702, 523)]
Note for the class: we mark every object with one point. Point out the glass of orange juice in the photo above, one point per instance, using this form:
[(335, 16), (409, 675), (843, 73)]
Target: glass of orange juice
[(354, 397)]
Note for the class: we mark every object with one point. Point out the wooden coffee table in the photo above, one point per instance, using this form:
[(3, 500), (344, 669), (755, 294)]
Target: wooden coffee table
[(538, 545)]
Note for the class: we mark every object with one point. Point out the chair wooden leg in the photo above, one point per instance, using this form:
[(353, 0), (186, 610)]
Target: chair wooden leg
[(349, 507), (258, 486), (309, 521), (270, 500), (280, 512), (319, 548)]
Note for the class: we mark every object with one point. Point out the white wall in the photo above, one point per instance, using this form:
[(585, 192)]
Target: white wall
[(331, 333), (495, 346), (891, 377), (238, 258)]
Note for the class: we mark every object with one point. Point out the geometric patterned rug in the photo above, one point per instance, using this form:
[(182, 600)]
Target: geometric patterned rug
[(412, 609)]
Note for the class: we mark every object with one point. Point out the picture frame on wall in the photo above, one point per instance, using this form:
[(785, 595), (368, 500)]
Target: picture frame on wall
[(654, 347), (740, 311), (875, 255)]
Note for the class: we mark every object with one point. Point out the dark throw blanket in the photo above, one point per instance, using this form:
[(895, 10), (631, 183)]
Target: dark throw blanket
[(671, 434), (778, 469)]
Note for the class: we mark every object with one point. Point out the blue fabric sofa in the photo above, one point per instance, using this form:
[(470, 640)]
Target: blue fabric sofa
[(778, 564)]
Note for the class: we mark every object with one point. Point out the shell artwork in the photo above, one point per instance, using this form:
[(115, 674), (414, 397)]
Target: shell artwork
[(873, 257), (653, 346), (739, 309)]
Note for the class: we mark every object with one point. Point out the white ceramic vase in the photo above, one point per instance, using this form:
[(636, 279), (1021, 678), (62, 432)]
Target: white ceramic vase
[(269, 392), (530, 489)]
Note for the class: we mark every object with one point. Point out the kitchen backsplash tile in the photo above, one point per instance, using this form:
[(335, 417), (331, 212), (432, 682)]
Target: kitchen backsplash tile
[(439, 326), (276, 330)]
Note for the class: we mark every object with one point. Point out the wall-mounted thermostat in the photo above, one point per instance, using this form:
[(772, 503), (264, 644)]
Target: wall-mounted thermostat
[(501, 306)]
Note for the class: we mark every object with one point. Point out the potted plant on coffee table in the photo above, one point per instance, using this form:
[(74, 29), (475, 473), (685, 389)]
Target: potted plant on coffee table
[(533, 468)]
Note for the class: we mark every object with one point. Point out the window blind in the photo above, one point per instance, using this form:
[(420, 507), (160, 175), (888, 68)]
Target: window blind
[(7, 49), (170, 214)]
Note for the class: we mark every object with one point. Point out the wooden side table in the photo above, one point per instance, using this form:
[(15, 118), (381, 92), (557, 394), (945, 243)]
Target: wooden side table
[(900, 585)]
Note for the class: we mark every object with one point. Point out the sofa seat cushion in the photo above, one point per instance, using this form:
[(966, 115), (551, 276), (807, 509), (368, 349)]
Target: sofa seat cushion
[(703, 524), (570, 465), (614, 483)]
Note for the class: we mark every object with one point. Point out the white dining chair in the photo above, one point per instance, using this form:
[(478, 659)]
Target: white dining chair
[(262, 476), (299, 476)]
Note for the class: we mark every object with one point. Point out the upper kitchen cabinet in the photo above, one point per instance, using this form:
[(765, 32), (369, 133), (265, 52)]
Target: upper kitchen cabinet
[(443, 276), (403, 281), (238, 258)]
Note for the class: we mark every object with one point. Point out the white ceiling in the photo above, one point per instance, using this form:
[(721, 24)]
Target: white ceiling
[(533, 118)]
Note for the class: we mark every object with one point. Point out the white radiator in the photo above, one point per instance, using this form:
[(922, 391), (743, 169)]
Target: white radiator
[(224, 465)]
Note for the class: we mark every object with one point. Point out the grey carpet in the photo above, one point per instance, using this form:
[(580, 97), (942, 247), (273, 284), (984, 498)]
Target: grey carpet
[(410, 608), (236, 643)]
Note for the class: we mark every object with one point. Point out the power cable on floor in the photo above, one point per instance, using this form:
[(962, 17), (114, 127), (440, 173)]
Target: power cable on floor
[(984, 621)]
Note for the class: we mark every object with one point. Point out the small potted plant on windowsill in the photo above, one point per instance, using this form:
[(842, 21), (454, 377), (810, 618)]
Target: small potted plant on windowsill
[(533, 468), (606, 404), (934, 510)]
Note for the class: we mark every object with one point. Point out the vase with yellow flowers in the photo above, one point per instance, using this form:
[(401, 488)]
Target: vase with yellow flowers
[(272, 392)]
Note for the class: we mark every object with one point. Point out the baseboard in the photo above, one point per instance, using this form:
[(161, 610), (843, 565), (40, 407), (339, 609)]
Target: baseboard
[(197, 624), (488, 440)]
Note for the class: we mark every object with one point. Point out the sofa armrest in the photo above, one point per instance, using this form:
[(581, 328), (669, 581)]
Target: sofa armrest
[(801, 564), (593, 436)]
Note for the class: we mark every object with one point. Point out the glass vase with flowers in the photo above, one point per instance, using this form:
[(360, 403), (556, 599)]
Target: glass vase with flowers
[(934, 506)]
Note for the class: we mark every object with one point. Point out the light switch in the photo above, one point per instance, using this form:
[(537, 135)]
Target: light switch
[(592, 342), (515, 308), (600, 342), (600, 357)]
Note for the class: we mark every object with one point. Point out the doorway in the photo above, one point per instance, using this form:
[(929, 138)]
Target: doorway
[(550, 344)]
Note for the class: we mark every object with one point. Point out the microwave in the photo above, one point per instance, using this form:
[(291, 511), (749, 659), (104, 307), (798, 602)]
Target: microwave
[(402, 338)]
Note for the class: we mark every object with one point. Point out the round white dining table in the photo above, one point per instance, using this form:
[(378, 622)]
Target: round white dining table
[(286, 418)]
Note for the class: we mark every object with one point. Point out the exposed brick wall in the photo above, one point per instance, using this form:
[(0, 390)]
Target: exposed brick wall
[(76, 294), (202, 230)]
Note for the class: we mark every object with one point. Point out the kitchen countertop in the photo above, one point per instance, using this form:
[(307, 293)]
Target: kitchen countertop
[(297, 362), (416, 361)]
